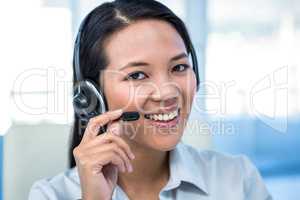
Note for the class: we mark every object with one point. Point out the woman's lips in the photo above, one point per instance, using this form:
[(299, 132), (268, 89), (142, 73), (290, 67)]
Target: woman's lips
[(168, 124), (164, 110), (165, 124)]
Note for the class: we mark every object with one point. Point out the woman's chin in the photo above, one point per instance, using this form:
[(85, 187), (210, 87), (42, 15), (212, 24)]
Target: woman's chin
[(164, 142)]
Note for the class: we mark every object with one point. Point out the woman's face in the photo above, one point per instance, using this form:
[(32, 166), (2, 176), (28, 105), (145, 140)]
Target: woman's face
[(159, 76)]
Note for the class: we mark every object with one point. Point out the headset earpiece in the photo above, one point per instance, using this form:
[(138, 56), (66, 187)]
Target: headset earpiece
[(88, 101)]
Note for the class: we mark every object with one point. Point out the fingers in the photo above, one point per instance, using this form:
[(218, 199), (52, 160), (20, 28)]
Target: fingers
[(94, 123), (111, 147), (115, 128), (95, 151), (110, 138), (95, 163)]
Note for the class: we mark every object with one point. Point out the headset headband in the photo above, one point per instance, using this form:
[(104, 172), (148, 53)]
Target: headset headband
[(78, 74)]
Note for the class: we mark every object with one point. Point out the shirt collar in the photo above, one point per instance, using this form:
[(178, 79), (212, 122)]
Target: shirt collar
[(184, 168)]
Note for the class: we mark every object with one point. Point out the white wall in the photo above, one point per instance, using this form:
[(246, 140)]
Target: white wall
[(32, 152)]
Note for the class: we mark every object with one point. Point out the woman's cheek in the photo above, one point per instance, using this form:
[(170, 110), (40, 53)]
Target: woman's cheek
[(192, 91), (122, 96), (188, 90)]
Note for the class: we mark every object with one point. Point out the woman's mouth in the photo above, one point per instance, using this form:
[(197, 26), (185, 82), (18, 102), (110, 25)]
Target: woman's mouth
[(164, 120)]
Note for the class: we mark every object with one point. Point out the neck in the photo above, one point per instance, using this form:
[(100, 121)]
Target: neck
[(150, 167)]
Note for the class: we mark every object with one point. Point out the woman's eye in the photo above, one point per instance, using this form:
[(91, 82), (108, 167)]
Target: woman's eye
[(136, 76), (181, 67)]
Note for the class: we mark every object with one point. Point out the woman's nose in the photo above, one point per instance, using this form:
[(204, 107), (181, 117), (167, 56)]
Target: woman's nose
[(166, 92)]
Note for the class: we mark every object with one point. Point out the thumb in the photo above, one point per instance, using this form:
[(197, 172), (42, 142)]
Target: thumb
[(115, 128)]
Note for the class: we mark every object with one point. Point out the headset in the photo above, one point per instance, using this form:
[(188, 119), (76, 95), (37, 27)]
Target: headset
[(88, 99)]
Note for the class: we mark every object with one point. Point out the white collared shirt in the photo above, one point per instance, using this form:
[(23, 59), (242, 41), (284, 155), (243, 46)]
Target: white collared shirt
[(194, 175)]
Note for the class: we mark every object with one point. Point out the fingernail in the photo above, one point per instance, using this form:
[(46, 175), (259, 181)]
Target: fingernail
[(97, 128), (132, 156)]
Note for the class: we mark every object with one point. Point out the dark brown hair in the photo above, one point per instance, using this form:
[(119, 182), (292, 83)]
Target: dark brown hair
[(101, 23)]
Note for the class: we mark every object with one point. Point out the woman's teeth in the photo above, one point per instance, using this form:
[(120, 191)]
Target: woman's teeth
[(163, 117)]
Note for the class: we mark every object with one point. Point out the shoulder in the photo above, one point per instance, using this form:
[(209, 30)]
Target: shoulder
[(64, 185), (223, 171), (210, 162), (217, 159)]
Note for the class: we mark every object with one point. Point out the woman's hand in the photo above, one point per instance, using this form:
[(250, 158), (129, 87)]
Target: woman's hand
[(99, 158)]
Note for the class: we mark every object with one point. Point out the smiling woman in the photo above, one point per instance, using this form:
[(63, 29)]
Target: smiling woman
[(135, 53)]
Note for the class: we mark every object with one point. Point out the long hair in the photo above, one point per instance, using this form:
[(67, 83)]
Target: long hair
[(102, 22)]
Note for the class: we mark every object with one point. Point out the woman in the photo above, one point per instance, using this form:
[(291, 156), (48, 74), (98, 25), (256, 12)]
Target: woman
[(137, 52)]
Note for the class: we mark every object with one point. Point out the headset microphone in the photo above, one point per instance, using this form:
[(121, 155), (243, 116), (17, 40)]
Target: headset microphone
[(126, 116)]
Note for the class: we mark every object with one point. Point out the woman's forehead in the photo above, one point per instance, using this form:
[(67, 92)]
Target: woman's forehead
[(148, 40)]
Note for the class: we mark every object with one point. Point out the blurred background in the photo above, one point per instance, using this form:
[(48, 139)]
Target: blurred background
[(249, 101)]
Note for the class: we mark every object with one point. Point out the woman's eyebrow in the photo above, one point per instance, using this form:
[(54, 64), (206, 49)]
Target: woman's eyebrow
[(140, 63)]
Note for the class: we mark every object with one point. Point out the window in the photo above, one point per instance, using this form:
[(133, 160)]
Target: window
[(37, 44), (252, 74), (252, 54)]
